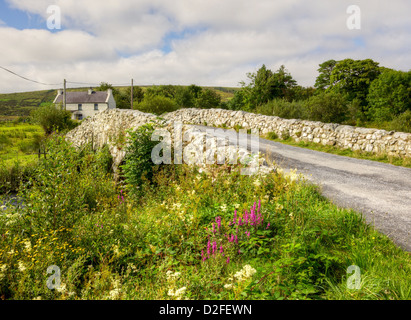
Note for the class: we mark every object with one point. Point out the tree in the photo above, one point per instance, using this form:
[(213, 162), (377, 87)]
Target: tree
[(265, 86), (184, 97), (389, 95), (323, 80), (156, 105), (327, 107), (353, 78), (208, 99)]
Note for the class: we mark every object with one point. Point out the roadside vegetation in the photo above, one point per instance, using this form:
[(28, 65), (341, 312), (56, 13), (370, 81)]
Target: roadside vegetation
[(358, 154), (180, 232)]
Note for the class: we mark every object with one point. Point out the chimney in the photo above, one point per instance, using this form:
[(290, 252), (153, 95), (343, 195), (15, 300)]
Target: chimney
[(110, 92), (60, 92), (90, 91)]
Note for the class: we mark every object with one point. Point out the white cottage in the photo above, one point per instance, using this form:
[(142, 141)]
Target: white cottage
[(86, 104)]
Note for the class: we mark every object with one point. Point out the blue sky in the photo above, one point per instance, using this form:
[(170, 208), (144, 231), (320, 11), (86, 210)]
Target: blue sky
[(209, 42)]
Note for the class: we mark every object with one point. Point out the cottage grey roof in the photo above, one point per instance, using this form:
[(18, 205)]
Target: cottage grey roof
[(83, 97)]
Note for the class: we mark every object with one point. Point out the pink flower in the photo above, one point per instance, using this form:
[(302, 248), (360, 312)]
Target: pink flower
[(221, 249), (268, 225), (228, 259)]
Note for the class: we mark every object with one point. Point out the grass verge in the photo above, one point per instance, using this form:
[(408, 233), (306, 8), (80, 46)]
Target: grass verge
[(397, 161)]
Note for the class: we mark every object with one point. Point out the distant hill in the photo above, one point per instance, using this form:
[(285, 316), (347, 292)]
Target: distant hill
[(22, 103)]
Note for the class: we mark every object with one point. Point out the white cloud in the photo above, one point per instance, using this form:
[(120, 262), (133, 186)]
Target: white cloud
[(217, 42)]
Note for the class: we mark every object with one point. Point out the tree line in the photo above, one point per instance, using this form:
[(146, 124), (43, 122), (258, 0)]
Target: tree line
[(353, 92)]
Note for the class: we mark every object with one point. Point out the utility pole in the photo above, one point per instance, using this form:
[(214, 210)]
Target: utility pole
[(64, 95), (132, 97)]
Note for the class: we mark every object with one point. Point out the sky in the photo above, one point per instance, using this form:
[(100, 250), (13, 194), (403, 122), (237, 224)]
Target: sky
[(183, 42)]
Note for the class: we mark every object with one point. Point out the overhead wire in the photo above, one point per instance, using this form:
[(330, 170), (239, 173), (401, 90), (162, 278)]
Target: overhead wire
[(56, 84)]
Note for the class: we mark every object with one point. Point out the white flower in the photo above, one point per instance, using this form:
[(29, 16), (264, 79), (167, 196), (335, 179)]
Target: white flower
[(228, 286), (257, 183), (246, 273), (62, 288), (27, 245), (180, 292), (21, 266)]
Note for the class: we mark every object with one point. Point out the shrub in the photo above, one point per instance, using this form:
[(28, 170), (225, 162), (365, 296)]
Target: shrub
[(402, 122), (138, 165), (53, 119), (157, 105), (208, 99), (272, 136), (327, 107), (283, 109), (389, 95)]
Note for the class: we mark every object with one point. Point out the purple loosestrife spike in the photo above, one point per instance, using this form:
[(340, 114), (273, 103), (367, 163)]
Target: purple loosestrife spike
[(259, 205), (268, 225), (213, 228), (214, 247), (228, 259), (221, 249), (236, 239), (208, 247)]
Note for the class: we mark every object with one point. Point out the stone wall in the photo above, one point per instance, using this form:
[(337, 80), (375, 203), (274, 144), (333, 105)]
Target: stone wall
[(370, 140), (107, 127)]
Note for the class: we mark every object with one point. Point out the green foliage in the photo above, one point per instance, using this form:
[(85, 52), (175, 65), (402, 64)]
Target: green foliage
[(353, 78), (149, 246), (402, 122), (139, 167), (323, 80), (185, 97), (208, 99), (52, 118), (284, 109), (156, 104), (67, 184), (266, 85), (389, 95), (327, 107)]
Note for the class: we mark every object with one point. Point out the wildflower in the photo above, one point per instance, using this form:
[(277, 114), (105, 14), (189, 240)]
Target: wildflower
[(62, 288), (27, 245), (246, 273), (228, 286), (218, 220), (214, 247), (228, 259), (221, 249), (268, 225), (22, 267)]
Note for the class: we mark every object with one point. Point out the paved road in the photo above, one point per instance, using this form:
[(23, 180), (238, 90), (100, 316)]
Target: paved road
[(381, 192)]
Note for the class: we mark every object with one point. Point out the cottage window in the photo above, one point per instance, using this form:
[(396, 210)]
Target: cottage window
[(96, 106), (80, 106)]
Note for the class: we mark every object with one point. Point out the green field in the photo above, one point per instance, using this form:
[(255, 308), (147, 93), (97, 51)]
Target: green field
[(19, 147)]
